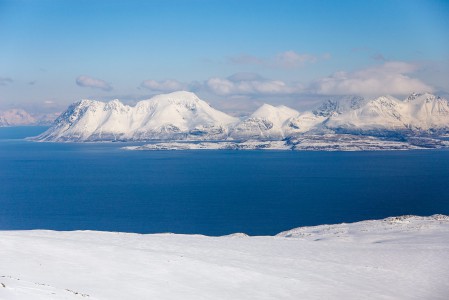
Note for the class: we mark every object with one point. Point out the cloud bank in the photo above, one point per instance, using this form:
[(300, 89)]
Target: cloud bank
[(169, 85), (388, 78), (87, 81), (248, 84), (292, 59), (284, 60)]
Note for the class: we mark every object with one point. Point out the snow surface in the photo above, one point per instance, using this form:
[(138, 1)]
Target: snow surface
[(183, 116), (395, 258)]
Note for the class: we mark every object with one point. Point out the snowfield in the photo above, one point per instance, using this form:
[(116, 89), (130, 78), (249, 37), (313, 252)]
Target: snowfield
[(395, 258)]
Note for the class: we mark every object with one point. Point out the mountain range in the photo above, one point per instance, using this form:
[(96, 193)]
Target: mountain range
[(183, 116), (20, 117)]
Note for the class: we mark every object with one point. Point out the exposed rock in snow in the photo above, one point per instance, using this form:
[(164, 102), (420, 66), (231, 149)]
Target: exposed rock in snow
[(395, 258)]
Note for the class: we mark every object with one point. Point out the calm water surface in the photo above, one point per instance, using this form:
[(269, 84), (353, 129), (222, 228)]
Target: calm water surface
[(98, 186)]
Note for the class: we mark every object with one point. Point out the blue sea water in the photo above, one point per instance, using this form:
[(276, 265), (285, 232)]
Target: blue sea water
[(99, 186)]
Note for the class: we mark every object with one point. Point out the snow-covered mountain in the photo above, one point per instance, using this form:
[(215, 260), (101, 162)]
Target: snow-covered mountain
[(178, 115), (15, 117), (267, 122), (417, 114), (183, 116), (20, 117), (339, 105)]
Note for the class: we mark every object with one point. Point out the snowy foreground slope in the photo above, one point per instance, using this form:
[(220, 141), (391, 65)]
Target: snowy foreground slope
[(395, 258), (419, 121)]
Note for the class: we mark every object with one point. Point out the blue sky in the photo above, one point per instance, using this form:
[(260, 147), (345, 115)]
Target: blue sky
[(235, 54)]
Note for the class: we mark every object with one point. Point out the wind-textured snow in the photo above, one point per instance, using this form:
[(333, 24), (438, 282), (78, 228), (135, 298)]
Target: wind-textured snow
[(395, 258), (183, 116)]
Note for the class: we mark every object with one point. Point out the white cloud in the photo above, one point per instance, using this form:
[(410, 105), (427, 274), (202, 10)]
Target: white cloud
[(292, 59), (284, 60), (245, 76), (249, 84), (388, 78), (87, 81), (5, 80), (246, 59), (164, 85)]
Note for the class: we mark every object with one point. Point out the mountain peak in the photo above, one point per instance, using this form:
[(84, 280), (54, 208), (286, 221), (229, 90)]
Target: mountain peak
[(264, 108), (424, 97), (177, 96), (86, 102), (168, 116), (414, 96), (268, 111), (115, 105), (339, 105), (388, 98)]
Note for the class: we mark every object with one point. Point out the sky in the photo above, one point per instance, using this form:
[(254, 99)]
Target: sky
[(234, 54)]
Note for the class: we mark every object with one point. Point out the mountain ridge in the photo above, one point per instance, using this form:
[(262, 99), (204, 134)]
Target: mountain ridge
[(184, 116), (171, 116)]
